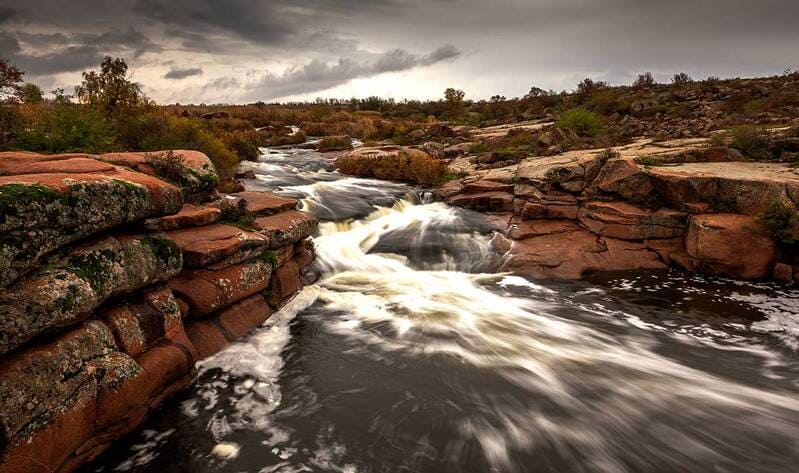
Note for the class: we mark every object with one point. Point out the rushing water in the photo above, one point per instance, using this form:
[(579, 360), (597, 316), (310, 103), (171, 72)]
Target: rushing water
[(411, 355)]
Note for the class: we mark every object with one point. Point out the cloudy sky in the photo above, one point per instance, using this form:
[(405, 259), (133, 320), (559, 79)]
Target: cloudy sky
[(248, 50)]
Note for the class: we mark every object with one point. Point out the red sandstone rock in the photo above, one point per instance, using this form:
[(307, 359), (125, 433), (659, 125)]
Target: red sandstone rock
[(263, 204), (287, 227), (783, 272), (207, 338), (522, 229), (572, 254), (532, 210), (189, 216), (138, 325), (209, 244), (628, 222), (729, 244), (207, 291), (285, 283), (484, 201), (241, 318), (484, 185)]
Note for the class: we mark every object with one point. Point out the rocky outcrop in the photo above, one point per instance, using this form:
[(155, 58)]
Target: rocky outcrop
[(114, 288), (641, 206)]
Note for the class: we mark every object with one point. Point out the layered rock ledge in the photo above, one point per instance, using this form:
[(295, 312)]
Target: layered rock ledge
[(648, 205), (117, 274)]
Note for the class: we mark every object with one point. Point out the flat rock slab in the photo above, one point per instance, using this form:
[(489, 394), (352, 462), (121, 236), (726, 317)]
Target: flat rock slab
[(263, 204), (189, 216), (209, 244), (287, 227)]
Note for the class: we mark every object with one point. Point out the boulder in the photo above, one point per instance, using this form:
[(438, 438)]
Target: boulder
[(440, 130), (730, 245), (41, 212), (570, 172), (71, 286), (536, 210)]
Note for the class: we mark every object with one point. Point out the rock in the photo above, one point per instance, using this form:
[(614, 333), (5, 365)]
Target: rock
[(570, 254), (570, 172), (624, 178), (241, 318), (229, 186), (729, 244), (522, 229), (139, 324), (555, 136), (42, 212), (627, 222), (207, 291), (449, 189), (70, 287), (287, 227), (457, 150), (192, 171), (38, 382), (247, 175), (535, 210), (484, 185), (783, 273), (440, 130), (740, 187), (433, 149), (263, 204), (416, 135), (484, 201), (189, 216), (285, 283), (204, 246)]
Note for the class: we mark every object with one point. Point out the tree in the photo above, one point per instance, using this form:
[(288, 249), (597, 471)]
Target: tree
[(30, 93), (644, 80), (681, 78), (498, 98), (111, 88), (589, 86), (536, 92), (454, 96), (10, 77)]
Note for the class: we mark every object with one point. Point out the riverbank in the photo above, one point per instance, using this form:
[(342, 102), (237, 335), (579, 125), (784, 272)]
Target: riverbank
[(120, 272)]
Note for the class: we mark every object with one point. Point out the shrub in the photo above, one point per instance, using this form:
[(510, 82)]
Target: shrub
[(582, 122), (406, 165), (334, 143), (780, 217), (752, 141), (644, 80), (170, 165)]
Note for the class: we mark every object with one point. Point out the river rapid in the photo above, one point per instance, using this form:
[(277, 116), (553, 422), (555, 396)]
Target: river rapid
[(410, 354)]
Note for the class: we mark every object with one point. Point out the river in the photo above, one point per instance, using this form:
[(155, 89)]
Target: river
[(411, 355)]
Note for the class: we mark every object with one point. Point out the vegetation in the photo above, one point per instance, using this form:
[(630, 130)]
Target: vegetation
[(405, 165), (752, 141), (582, 122), (782, 220), (334, 143)]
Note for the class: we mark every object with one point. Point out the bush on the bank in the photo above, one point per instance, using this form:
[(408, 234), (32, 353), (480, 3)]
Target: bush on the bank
[(782, 220), (583, 122), (334, 143), (752, 141), (406, 166)]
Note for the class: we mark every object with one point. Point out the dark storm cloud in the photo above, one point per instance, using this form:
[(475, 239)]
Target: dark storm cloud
[(507, 43), (318, 75), (177, 73)]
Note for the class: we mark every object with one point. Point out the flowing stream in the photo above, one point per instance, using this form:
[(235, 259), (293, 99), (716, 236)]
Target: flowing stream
[(411, 354)]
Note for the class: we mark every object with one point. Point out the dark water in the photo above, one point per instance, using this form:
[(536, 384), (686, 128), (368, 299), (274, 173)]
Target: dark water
[(409, 355)]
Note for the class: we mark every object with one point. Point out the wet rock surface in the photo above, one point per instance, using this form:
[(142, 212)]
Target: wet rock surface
[(112, 289)]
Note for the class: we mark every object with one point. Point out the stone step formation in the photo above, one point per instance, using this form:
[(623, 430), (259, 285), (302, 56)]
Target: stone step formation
[(647, 205), (118, 273)]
